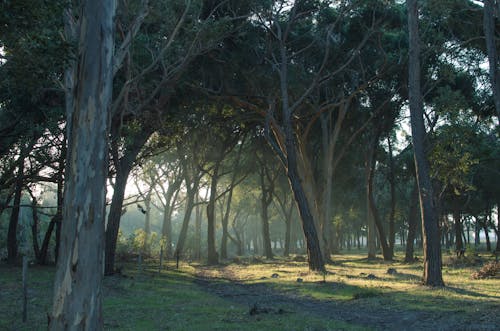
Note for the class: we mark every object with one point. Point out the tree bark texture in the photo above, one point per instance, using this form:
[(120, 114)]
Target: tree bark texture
[(315, 257), (430, 231), (77, 301)]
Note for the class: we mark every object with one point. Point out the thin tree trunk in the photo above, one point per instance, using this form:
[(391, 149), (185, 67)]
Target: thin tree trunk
[(392, 230), (430, 231), (78, 280), (34, 227), (12, 246), (457, 218), (197, 230), (213, 256), (371, 236), (386, 251), (412, 225)]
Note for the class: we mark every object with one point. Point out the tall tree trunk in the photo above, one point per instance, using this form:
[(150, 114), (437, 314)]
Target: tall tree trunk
[(430, 231), (34, 227), (493, 58), (267, 191), (370, 240), (123, 167), (78, 280), (386, 251), (457, 218), (412, 225), (12, 246), (213, 256), (197, 230), (187, 217), (315, 257), (392, 230), (147, 224)]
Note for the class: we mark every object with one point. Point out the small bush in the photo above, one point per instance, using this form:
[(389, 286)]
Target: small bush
[(489, 270)]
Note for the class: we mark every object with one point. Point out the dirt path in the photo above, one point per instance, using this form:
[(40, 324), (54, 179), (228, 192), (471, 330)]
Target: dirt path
[(263, 298)]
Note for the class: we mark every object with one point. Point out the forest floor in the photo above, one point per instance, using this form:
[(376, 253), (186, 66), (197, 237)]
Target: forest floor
[(254, 294)]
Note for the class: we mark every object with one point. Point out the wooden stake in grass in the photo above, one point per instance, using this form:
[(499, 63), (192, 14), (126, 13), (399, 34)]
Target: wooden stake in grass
[(25, 288)]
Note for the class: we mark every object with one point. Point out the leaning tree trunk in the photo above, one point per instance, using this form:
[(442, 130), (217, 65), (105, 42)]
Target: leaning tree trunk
[(187, 217), (430, 231), (78, 280), (123, 167), (315, 257)]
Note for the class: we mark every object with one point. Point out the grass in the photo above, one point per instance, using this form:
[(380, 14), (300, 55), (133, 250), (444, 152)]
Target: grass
[(173, 300)]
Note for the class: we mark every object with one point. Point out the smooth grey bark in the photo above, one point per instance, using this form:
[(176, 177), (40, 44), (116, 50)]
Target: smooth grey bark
[(430, 231), (77, 301), (493, 59)]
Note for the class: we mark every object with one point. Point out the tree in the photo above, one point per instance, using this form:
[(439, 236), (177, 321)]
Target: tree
[(430, 231), (493, 58), (88, 80)]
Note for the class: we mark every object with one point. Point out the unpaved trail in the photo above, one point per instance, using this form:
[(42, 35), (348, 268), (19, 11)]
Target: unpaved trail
[(263, 298)]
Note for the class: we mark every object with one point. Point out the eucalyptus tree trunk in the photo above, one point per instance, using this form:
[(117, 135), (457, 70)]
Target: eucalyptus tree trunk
[(430, 231), (78, 280), (493, 59)]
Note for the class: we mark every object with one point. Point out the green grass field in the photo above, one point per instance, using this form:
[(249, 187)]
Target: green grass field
[(355, 294)]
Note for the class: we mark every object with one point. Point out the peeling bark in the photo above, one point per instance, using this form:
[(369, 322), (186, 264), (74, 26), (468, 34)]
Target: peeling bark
[(77, 303)]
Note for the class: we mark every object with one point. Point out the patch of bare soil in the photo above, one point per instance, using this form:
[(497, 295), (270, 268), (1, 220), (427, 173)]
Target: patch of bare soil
[(263, 298)]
